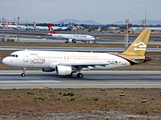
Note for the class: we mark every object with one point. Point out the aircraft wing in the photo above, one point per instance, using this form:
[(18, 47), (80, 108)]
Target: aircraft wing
[(85, 64)]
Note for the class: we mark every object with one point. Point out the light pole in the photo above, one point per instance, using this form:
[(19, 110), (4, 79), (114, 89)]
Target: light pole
[(3, 30), (18, 30), (26, 23)]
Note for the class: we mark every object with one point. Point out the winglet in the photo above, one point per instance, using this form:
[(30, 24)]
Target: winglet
[(51, 29), (138, 47)]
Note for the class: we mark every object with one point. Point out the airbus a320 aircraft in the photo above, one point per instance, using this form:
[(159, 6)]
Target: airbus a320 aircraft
[(71, 37), (67, 63)]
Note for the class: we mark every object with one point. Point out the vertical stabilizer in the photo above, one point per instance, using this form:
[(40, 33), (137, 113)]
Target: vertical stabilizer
[(34, 24), (61, 25), (6, 23), (138, 47), (51, 29)]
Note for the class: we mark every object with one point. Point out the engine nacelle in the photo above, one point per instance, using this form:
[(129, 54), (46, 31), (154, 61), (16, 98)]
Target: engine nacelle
[(70, 40), (47, 69), (63, 70), (50, 34)]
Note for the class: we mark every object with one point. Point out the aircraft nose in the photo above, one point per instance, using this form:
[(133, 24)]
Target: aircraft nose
[(5, 61)]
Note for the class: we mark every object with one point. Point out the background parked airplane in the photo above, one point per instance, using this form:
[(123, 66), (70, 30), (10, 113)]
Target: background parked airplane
[(46, 28), (40, 27), (1, 26), (71, 37), (15, 26), (67, 63), (58, 27), (67, 28)]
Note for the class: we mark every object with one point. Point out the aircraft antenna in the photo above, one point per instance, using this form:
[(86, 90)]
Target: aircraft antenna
[(3, 30), (18, 30)]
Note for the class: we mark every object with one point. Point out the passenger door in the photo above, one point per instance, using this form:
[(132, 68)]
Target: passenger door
[(25, 57)]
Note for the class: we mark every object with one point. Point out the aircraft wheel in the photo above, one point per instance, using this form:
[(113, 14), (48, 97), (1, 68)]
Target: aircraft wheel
[(23, 74), (79, 75)]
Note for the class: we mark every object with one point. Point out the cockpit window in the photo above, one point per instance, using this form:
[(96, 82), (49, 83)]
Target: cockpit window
[(13, 55)]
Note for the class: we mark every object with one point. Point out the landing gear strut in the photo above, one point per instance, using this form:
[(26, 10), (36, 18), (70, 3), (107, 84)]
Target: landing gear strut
[(23, 74), (79, 75)]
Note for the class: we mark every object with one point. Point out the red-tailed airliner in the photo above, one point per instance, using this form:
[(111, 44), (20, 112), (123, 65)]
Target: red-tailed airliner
[(71, 37)]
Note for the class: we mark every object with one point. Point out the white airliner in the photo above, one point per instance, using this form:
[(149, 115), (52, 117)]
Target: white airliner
[(67, 63), (58, 27), (1, 26), (40, 27), (15, 26), (66, 28), (46, 28), (71, 37), (9, 26)]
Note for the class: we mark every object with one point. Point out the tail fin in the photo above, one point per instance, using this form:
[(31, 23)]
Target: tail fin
[(51, 29), (70, 26), (61, 25), (34, 24), (6, 23), (138, 47)]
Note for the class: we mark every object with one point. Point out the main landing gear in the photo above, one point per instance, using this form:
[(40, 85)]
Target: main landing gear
[(68, 41), (23, 74), (79, 75)]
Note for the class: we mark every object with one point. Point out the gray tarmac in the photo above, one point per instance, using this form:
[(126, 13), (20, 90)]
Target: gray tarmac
[(72, 49), (44, 33), (11, 79), (54, 40), (96, 40)]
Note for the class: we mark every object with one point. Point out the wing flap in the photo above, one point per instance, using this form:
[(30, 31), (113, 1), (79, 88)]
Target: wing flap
[(85, 64)]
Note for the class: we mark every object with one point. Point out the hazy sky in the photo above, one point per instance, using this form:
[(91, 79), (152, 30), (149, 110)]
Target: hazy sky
[(101, 11)]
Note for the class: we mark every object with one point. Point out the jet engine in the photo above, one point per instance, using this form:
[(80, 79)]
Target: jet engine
[(47, 69), (63, 70), (70, 41)]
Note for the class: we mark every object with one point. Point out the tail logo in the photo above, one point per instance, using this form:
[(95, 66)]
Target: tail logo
[(50, 29), (141, 46), (118, 63)]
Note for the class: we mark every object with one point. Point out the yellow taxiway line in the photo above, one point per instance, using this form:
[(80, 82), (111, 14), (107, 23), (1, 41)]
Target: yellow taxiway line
[(41, 87)]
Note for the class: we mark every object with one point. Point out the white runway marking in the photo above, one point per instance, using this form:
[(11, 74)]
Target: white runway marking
[(31, 81), (103, 84), (10, 73)]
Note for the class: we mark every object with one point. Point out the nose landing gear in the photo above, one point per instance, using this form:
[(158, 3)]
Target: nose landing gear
[(23, 74)]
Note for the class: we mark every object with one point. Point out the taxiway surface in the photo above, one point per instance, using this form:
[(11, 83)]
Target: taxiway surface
[(49, 40), (71, 49), (92, 79), (44, 33)]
